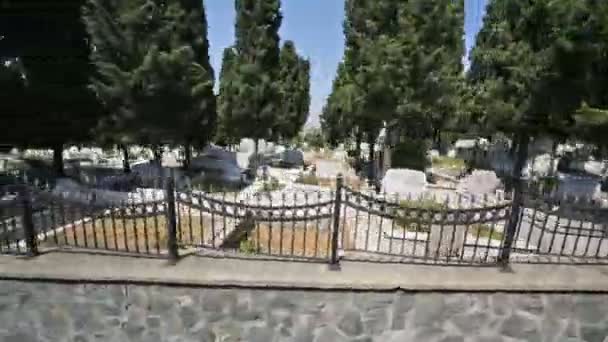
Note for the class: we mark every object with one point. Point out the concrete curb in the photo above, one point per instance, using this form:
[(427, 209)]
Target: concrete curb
[(290, 286), (195, 271)]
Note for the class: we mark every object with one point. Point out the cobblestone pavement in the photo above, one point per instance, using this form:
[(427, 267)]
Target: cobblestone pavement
[(61, 312)]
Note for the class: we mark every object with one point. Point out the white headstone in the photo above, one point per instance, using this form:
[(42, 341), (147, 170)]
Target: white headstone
[(404, 182), (247, 146), (541, 165), (243, 159), (480, 182), (594, 167), (327, 168), (280, 149), (465, 143)]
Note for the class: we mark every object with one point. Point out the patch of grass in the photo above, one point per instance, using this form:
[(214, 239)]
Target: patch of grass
[(422, 204), (308, 179), (544, 185), (248, 247), (483, 230), (272, 184), (207, 186), (310, 240), (417, 224), (115, 234), (450, 163), (134, 234)]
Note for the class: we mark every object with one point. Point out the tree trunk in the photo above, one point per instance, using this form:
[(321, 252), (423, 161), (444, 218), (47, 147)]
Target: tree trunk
[(509, 179), (553, 153), (187, 155), (358, 139), (126, 165), (437, 139), (513, 148), (372, 169), (256, 157), (58, 160), (520, 163), (605, 168), (158, 155)]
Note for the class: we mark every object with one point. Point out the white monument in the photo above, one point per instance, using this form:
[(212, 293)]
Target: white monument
[(404, 182)]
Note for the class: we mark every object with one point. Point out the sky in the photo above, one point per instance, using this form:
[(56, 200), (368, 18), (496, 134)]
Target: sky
[(315, 26)]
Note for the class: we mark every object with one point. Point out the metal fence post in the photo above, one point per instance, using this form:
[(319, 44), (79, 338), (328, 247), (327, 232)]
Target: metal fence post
[(171, 219), (336, 224), (517, 202), (28, 223)]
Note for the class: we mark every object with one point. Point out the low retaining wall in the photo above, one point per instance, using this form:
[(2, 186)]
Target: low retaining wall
[(35, 311)]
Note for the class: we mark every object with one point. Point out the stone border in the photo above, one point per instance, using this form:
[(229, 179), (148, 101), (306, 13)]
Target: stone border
[(196, 271)]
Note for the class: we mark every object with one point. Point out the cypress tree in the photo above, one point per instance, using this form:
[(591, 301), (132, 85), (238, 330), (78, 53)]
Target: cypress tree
[(295, 92), (256, 75)]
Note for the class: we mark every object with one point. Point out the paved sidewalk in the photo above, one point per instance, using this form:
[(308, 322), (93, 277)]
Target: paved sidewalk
[(201, 271)]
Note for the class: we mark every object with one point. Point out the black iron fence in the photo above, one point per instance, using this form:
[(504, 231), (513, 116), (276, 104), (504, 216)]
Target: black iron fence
[(422, 228), (163, 220)]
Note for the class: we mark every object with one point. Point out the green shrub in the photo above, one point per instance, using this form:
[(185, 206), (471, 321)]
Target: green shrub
[(207, 186), (248, 247), (410, 154), (272, 184), (314, 138), (424, 203), (483, 230), (450, 163), (417, 224), (548, 184)]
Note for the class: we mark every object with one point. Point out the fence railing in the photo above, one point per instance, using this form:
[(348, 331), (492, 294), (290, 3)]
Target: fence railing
[(323, 226)]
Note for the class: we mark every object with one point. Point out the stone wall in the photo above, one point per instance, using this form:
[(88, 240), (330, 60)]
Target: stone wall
[(62, 312)]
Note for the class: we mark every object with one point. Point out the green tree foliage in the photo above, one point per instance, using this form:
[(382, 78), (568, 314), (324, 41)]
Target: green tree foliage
[(369, 29), (55, 106), (228, 133), (154, 73), (402, 65), (532, 59), (313, 137), (431, 88), (256, 69), (592, 125), (337, 118), (13, 101), (295, 92), (532, 65), (592, 118)]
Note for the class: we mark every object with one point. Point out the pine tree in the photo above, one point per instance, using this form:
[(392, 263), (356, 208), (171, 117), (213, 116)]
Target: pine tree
[(403, 65), (199, 122), (53, 51), (532, 59), (154, 73), (256, 74), (337, 118), (295, 92), (228, 133)]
